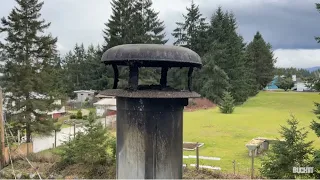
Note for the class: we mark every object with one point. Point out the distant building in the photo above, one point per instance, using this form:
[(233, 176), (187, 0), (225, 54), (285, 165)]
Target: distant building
[(57, 112), (82, 95), (105, 106), (299, 84)]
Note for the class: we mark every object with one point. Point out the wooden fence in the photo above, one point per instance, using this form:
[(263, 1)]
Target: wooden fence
[(17, 151)]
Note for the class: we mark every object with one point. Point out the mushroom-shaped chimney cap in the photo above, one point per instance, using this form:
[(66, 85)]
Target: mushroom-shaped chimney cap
[(152, 55)]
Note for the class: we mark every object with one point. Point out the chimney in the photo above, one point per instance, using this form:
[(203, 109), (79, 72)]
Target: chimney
[(150, 117)]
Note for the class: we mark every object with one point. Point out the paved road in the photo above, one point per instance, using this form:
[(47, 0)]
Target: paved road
[(43, 143)]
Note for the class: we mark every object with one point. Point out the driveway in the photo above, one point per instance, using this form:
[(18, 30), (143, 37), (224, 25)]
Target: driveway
[(43, 143)]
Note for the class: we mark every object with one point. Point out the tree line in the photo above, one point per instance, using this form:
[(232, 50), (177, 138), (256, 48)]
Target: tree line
[(32, 64), (229, 64)]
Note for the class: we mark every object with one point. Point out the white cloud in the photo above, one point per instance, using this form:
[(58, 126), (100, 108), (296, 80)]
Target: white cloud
[(60, 47), (299, 58), (292, 23)]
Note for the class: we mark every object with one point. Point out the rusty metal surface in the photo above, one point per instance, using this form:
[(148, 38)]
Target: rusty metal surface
[(150, 93), (149, 138), (152, 55)]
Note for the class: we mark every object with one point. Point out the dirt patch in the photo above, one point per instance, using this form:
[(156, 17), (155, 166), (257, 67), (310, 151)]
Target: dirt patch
[(199, 103), (191, 173)]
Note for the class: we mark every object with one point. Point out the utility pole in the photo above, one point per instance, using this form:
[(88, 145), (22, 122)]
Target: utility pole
[(2, 131)]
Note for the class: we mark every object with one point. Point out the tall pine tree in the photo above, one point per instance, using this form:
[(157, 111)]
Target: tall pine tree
[(119, 27), (260, 57), (134, 22), (83, 70), (192, 34), (147, 27), (30, 61), (212, 82), (223, 35)]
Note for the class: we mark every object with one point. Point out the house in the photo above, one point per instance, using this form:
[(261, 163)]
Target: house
[(106, 106), (83, 95), (272, 85), (55, 114), (299, 84)]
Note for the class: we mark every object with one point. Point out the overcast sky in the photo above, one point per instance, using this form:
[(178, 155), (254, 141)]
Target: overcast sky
[(289, 25)]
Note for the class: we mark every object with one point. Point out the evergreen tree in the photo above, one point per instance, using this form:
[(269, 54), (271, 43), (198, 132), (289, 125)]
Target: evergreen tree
[(285, 83), (302, 73), (192, 34), (134, 22), (212, 81), (30, 62), (284, 155), (227, 104), (147, 26), (223, 32), (84, 70), (260, 57), (119, 27), (91, 148)]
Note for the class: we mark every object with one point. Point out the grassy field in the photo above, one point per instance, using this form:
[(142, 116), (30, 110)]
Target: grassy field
[(225, 136)]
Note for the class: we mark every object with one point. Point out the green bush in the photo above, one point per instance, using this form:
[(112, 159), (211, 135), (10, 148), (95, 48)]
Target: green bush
[(85, 117), (227, 105), (294, 151), (90, 148), (73, 116), (79, 114)]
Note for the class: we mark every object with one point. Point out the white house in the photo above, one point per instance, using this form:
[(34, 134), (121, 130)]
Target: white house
[(301, 86), (105, 104), (82, 95)]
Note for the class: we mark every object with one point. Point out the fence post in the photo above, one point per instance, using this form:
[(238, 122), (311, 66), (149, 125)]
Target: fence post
[(197, 151), (234, 167), (74, 130), (55, 138), (252, 163)]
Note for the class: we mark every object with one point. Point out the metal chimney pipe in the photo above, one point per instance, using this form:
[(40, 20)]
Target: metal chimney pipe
[(150, 118)]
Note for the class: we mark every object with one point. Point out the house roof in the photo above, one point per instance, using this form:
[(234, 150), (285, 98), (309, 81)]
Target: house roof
[(104, 96), (62, 110), (106, 101), (84, 91)]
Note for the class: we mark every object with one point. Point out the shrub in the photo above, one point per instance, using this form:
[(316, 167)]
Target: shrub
[(90, 147), (85, 117), (79, 114), (294, 151), (285, 83), (73, 116), (227, 105)]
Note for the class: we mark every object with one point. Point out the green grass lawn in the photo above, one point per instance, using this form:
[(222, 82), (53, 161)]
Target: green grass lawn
[(225, 136)]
